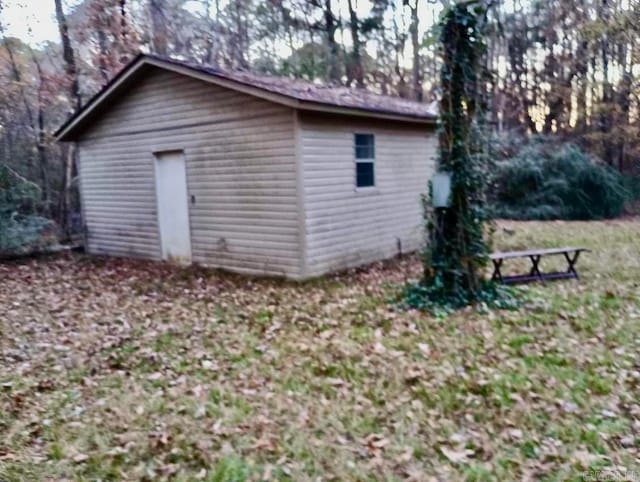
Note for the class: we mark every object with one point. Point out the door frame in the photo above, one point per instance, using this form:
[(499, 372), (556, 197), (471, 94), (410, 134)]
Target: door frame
[(158, 151)]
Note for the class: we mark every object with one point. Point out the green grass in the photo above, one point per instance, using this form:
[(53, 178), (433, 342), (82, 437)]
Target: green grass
[(117, 369)]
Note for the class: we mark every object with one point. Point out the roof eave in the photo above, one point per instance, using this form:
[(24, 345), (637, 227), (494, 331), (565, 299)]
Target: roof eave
[(354, 111)]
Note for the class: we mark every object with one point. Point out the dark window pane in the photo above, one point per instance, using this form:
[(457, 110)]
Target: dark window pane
[(364, 144), (364, 174), (364, 139), (364, 152)]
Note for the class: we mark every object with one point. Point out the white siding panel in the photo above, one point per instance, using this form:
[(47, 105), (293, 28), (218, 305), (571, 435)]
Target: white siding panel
[(241, 170), (347, 227)]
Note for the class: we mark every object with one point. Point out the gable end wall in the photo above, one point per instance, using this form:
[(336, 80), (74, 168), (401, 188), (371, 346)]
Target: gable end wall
[(241, 170)]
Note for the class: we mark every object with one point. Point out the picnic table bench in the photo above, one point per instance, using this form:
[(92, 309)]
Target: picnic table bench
[(571, 254)]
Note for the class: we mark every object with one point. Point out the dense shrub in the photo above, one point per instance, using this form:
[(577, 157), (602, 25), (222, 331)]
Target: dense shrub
[(21, 228), (547, 180)]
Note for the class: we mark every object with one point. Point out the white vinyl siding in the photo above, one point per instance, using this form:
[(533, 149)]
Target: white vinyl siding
[(241, 170), (346, 226)]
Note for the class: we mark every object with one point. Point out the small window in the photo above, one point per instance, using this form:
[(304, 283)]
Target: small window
[(365, 159)]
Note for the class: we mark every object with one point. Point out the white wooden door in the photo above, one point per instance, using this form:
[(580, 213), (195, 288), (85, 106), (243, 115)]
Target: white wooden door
[(173, 206)]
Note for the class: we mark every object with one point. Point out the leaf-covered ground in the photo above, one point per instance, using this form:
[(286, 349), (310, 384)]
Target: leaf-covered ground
[(116, 369)]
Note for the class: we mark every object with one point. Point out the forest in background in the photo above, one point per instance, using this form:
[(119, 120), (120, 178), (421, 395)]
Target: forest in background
[(564, 69)]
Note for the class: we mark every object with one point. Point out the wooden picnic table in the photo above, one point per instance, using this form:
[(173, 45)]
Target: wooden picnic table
[(571, 254)]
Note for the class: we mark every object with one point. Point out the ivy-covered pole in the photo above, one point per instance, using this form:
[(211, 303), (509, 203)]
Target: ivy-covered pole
[(457, 248)]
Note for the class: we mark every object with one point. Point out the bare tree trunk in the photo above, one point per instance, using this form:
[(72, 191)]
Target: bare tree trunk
[(624, 101), (355, 70), (68, 55), (72, 72), (212, 43), (383, 78), (240, 44), (415, 45), (582, 69), (554, 97), (123, 21), (399, 43), (331, 26), (68, 186), (102, 56), (159, 38)]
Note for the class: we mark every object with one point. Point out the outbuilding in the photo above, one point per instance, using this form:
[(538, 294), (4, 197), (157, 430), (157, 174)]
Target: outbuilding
[(249, 173)]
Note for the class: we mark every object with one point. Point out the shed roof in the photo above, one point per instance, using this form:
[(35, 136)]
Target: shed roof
[(294, 93)]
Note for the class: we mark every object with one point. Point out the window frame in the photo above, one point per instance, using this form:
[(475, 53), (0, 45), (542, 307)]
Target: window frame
[(362, 160)]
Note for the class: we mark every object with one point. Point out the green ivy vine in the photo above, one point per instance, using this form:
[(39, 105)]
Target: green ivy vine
[(457, 247)]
